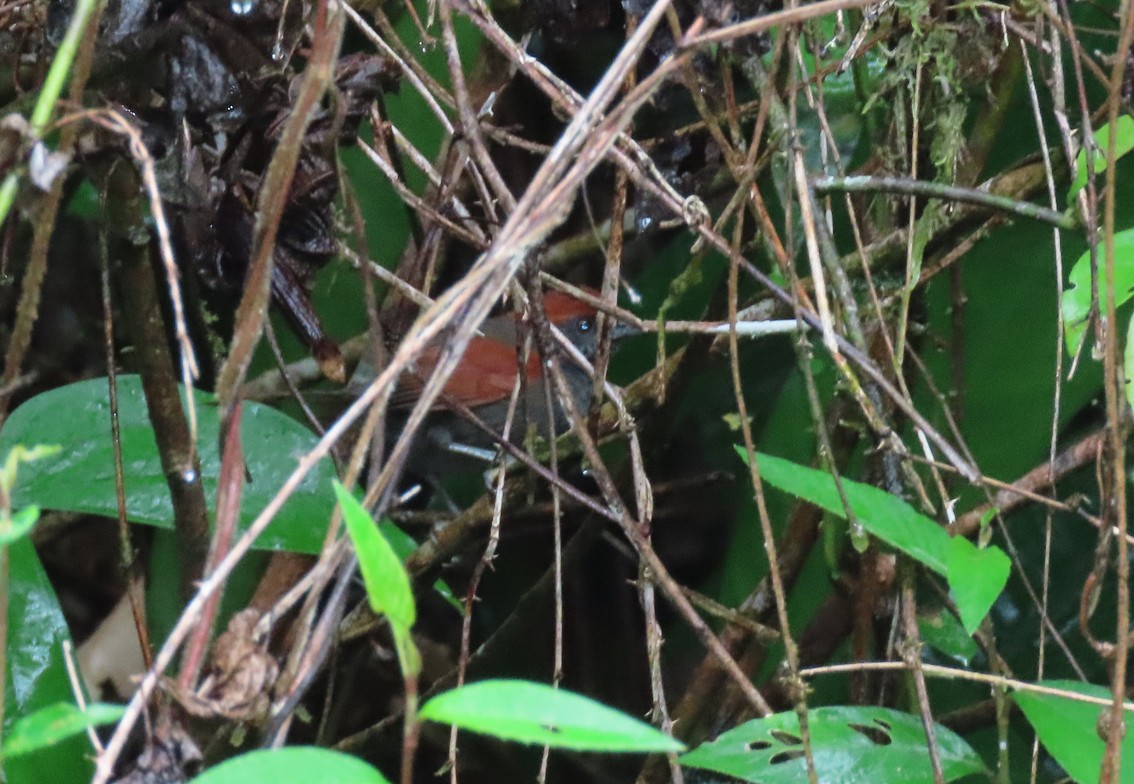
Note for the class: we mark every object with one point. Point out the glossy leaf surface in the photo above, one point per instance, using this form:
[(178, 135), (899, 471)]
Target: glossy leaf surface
[(849, 745), (534, 713), (81, 477), (37, 675)]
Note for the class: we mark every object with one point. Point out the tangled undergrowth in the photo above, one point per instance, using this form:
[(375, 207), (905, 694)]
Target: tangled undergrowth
[(833, 233)]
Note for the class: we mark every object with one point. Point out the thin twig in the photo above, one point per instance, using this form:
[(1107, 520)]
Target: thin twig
[(937, 190)]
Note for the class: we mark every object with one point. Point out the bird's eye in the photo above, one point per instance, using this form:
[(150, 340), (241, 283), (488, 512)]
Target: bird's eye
[(584, 324)]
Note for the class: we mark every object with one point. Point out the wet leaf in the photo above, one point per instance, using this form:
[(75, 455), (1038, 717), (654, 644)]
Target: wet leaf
[(849, 746), (37, 675), (81, 477)]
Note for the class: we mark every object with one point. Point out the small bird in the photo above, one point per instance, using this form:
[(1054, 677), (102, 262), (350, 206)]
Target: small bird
[(448, 442)]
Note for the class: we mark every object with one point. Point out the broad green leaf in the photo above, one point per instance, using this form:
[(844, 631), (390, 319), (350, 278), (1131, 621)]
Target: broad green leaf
[(292, 765), (1123, 143), (1068, 729), (1076, 305), (22, 454), (886, 516), (849, 746), (976, 577), (81, 477), (37, 675), (944, 633), (387, 583), (51, 724), (534, 713)]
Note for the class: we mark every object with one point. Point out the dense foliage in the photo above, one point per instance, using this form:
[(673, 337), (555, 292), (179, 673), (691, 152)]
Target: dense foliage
[(852, 509)]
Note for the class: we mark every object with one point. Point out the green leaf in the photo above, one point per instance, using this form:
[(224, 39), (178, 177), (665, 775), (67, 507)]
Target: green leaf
[(1076, 303), (387, 583), (849, 745), (1068, 729), (37, 674), (292, 765), (976, 577), (1123, 143), (81, 477), (534, 713), (22, 454), (945, 634), (888, 517), (49, 725)]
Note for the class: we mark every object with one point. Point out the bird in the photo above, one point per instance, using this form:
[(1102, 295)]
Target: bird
[(449, 441)]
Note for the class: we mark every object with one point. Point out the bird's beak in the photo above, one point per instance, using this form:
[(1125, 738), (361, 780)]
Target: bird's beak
[(624, 330)]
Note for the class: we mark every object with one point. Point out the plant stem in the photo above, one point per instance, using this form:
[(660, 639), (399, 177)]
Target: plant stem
[(141, 311), (936, 190), (49, 94)]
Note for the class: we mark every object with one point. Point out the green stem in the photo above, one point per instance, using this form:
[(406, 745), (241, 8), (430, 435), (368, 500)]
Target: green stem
[(936, 190), (49, 94)]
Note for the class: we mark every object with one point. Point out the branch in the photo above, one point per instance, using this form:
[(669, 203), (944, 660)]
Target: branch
[(936, 190)]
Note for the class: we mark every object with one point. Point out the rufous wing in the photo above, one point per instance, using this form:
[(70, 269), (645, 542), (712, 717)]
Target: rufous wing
[(486, 374)]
